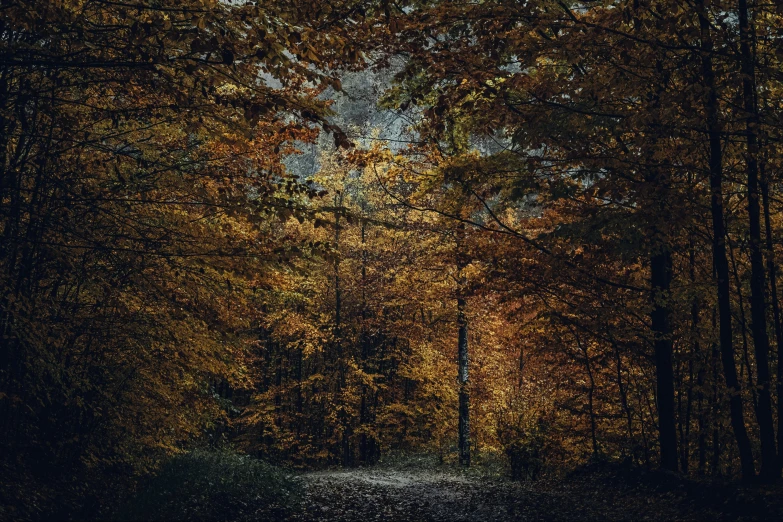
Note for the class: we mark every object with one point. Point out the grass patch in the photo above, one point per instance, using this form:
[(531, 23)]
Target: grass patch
[(215, 486)]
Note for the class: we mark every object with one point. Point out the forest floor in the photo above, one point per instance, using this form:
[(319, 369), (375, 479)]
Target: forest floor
[(592, 493)]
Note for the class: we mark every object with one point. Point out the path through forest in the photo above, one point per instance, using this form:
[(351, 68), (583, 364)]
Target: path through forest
[(387, 494), (447, 494)]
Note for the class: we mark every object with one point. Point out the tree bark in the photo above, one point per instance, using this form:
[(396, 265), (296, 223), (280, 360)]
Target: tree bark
[(773, 290), (769, 462), (697, 358), (661, 276), (719, 249), (743, 323), (660, 283), (462, 352), (464, 395)]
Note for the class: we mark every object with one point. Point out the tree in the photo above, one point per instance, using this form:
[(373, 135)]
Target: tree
[(141, 176)]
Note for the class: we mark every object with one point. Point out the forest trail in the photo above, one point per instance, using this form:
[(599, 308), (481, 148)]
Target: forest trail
[(426, 495), (443, 494)]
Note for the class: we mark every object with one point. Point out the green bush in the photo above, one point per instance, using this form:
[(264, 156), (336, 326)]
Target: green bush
[(213, 485), (525, 449)]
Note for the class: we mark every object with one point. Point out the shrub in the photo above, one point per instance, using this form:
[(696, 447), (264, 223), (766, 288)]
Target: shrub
[(213, 485), (525, 449)]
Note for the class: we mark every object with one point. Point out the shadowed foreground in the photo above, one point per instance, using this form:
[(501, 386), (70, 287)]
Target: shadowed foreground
[(448, 495)]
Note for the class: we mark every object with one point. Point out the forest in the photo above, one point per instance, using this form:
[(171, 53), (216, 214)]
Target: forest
[(391, 260)]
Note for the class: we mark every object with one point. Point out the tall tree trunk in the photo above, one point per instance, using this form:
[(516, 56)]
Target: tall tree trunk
[(715, 397), (364, 414), (694, 361), (347, 430), (462, 349), (745, 360), (661, 276), (701, 446), (685, 438), (338, 201), (719, 249), (464, 395), (590, 395), (773, 292), (338, 348), (462, 356), (660, 283), (769, 461)]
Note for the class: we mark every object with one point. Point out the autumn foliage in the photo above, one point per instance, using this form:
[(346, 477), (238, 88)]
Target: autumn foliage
[(568, 251)]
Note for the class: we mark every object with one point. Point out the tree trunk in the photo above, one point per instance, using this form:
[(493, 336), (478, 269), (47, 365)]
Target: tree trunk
[(660, 283), (769, 462), (685, 422), (462, 355), (702, 422), (337, 290), (743, 323), (464, 395), (719, 249), (694, 361), (365, 443), (773, 290), (590, 393), (661, 276), (346, 450)]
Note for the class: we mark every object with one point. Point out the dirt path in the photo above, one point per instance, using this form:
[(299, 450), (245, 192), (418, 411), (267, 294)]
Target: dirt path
[(416, 495), (427, 494)]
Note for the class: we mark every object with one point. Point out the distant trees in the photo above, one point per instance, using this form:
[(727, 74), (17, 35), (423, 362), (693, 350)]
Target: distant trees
[(406, 281), (623, 122)]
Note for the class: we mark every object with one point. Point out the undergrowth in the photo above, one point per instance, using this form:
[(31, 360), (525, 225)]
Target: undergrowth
[(213, 486)]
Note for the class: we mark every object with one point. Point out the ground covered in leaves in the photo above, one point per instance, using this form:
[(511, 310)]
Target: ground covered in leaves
[(596, 492), (221, 486)]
